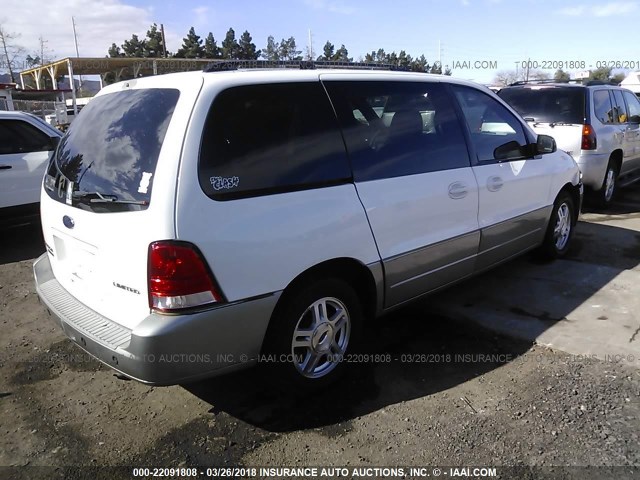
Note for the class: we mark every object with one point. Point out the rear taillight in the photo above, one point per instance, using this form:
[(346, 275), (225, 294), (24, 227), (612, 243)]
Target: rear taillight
[(589, 141), (179, 277)]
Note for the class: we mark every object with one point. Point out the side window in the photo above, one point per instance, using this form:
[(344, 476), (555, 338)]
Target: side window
[(496, 133), (408, 128), (261, 139), (17, 136), (620, 108), (634, 107), (602, 106)]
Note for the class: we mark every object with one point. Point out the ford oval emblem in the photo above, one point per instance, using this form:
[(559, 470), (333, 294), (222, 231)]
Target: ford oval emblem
[(68, 221)]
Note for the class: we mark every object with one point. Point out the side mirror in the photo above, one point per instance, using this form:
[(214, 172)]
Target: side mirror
[(508, 151), (545, 144), (53, 143)]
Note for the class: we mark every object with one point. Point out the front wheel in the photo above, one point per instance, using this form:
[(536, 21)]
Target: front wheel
[(312, 333), (557, 239)]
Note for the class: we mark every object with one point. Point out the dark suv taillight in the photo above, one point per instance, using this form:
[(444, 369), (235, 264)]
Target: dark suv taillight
[(589, 141), (179, 277)]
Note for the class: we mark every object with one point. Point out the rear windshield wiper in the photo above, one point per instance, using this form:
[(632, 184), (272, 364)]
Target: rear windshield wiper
[(105, 198)]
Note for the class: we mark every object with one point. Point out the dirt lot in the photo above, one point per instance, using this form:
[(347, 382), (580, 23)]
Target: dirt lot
[(468, 397)]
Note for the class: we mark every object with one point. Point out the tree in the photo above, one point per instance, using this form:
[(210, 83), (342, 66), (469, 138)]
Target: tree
[(506, 77), (436, 68), (602, 73), (328, 51), (404, 60), (538, 75), (153, 46), (211, 49), (32, 61), (272, 50), (230, 45), (246, 48), (561, 75), (191, 46), (289, 50), (618, 77), (342, 55), (10, 49), (420, 64), (114, 51), (133, 47)]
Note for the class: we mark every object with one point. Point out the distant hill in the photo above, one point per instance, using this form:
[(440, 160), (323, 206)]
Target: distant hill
[(5, 78)]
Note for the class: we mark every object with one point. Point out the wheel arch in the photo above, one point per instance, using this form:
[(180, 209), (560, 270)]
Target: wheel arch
[(574, 192), (355, 273), (616, 157)]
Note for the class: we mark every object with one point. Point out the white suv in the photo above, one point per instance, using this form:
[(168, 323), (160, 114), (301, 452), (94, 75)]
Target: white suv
[(598, 124), (198, 223), (26, 143)]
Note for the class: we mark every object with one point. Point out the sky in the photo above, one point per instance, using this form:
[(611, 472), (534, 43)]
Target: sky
[(475, 38)]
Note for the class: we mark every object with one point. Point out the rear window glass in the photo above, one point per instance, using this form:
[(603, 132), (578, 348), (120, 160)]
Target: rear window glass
[(547, 104), (107, 159), (261, 139)]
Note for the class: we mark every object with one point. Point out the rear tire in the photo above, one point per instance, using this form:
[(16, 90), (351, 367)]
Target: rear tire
[(605, 195), (312, 333), (557, 239)]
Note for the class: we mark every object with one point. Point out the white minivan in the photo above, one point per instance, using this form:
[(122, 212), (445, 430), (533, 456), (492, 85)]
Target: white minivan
[(198, 223)]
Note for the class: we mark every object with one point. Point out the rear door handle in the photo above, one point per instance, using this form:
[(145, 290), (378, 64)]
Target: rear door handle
[(458, 190), (494, 184), (5, 167)]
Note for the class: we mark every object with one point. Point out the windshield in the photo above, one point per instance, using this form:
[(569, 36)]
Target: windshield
[(547, 104), (111, 151)]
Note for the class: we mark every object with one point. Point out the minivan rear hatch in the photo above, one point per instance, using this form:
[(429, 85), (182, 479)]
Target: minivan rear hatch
[(109, 191)]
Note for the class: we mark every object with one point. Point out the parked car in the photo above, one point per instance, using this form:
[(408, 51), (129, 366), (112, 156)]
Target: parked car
[(598, 124), (198, 223), (26, 142)]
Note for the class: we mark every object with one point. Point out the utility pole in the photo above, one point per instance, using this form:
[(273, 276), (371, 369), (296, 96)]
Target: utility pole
[(75, 41), (75, 36), (164, 42), (42, 42), (310, 47)]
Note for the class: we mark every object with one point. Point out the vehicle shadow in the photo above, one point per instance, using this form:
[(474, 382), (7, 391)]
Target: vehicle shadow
[(437, 343), (411, 354), (626, 201), (21, 242)]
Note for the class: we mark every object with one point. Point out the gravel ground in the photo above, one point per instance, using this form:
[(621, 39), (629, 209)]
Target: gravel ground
[(452, 394)]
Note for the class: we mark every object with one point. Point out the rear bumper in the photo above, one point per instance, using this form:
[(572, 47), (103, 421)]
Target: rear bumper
[(162, 349), (593, 167)]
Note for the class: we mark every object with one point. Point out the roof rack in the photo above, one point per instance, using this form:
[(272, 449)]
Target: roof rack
[(543, 80), (225, 65), (601, 82)]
